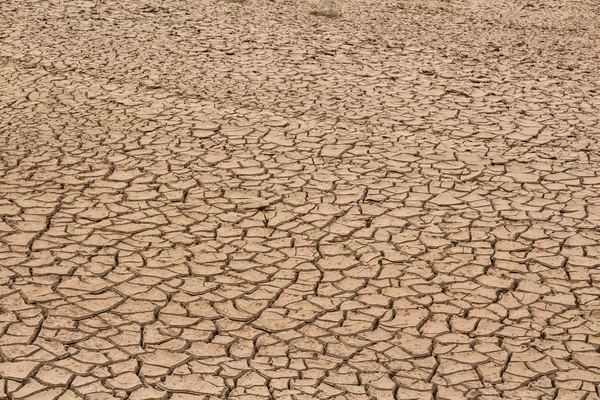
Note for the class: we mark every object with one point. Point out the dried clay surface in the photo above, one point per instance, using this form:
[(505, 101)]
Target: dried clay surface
[(299, 200)]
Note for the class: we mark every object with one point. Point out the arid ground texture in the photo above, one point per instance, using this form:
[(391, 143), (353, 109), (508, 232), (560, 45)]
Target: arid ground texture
[(212, 199)]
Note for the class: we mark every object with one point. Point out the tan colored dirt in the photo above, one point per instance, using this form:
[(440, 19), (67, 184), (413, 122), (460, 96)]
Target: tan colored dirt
[(264, 200)]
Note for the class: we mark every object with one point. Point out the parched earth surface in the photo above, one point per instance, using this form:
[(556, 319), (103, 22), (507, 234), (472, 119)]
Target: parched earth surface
[(221, 200)]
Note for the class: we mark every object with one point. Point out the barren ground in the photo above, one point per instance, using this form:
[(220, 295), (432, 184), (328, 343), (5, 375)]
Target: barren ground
[(209, 199)]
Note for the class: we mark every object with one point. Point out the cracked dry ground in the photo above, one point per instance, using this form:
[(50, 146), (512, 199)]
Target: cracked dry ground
[(207, 200)]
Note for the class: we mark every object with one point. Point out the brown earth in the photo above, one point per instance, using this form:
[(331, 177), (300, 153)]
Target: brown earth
[(299, 200)]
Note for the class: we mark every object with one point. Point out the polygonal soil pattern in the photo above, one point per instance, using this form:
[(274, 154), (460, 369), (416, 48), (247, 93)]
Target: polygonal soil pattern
[(264, 199)]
